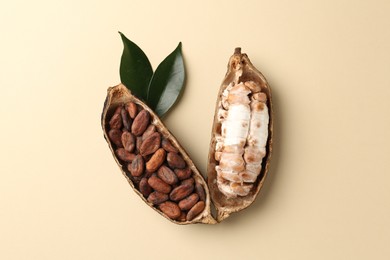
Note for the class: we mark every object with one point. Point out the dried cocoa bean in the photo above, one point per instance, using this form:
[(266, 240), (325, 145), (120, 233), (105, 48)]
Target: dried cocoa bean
[(180, 192), (189, 181), (159, 185), (167, 145), (116, 121), (137, 166), (183, 174), (167, 175), (189, 202), (140, 123), (128, 141), (132, 109), (144, 187), (200, 191), (157, 197), (138, 143), (115, 137), (175, 161), (124, 155), (126, 120), (149, 130), (156, 160), (150, 144), (195, 210), (170, 209)]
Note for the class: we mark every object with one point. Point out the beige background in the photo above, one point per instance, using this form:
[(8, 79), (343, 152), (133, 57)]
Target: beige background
[(328, 194)]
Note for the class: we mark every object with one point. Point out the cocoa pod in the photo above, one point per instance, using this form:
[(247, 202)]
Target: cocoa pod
[(150, 144), (167, 175), (189, 202), (156, 160), (195, 210), (128, 141), (170, 209), (167, 145), (157, 198), (140, 123), (180, 192), (145, 188), (126, 120), (124, 155), (175, 161), (132, 109), (159, 185), (115, 136), (137, 166), (183, 174)]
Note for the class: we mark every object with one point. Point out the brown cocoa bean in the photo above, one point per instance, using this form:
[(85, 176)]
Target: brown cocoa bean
[(195, 210), (200, 191), (138, 143), (157, 197), (124, 155), (115, 136), (128, 141), (132, 109), (170, 209), (180, 192), (159, 185), (189, 181), (189, 202), (156, 160), (137, 166), (141, 121), (126, 120), (116, 121), (150, 144), (167, 145), (149, 130), (167, 175), (144, 187), (175, 161), (183, 174)]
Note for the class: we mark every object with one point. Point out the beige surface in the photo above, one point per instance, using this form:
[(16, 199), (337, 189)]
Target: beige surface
[(328, 195)]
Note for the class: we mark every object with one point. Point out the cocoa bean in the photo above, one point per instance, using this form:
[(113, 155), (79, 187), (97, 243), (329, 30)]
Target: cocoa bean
[(116, 121), (200, 191), (126, 120), (128, 141), (183, 217), (150, 144), (157, 197), (144, 187), (156, 160), (137, 166), (167, 145), (138, 143), (195, 210), (149, 130), (115, 136), (180, 192), (167, 175), (183, 174), (189, 202), (140, 123), (132, 109), (170, 209), (175, 161), (159, 185), (189, 181), (124, 155)]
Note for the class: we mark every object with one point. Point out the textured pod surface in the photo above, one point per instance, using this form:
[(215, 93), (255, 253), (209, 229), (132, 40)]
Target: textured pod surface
[(120, 96), (241, 139)]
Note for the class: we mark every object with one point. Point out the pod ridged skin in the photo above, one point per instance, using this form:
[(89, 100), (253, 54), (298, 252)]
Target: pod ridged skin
[(240, 74), (119, 95)]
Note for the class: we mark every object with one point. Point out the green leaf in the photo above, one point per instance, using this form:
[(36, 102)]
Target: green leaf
[(135, 69), (167, 82)]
